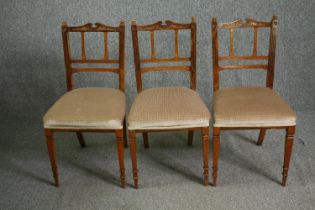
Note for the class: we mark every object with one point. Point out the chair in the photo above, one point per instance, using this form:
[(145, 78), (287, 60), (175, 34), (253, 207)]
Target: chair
[(167, 108), (249, 107), (89, 109)]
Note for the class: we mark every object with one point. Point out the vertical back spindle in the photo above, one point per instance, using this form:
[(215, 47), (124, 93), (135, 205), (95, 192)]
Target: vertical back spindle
[(105, 46), (232, 42), (255, 41), (176, 44), (83, 47), (152, 45)]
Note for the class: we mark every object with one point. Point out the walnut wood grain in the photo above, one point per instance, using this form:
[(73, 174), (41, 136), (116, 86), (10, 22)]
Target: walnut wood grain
[(216, 151), (215, 54), (167, 25), (272, 52), (52, 154), (205, 146), (287, 153), (133, 152), (120, 133), (269, 67), (231, 42), (247, 23), (120, 151), (145, 136), (176, 53), (161, 60), (255, 41), (243, 58), (232, 26), (105, 46), (140, 70), (83, 55), (152, 45), (261, 136), (81, 139), (90, 28), (190, 138)]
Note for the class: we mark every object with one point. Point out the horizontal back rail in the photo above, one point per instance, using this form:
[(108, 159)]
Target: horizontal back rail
[(247, 23), (94, 61), (77, 70), (161, 60), (169, 25), (229, 58), (89, 27), (230, 67), (171, 68)]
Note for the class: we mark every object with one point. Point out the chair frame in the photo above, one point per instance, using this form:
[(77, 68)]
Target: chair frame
[(139, 70), (255, 25), (121, 134)]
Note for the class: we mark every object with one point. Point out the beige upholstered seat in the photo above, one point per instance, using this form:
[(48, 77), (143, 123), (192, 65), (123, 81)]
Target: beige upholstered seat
[(251, 107), (91, 108), (168, 108)]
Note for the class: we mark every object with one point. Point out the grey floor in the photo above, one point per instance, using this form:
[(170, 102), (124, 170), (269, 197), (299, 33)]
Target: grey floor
[(170, 173)]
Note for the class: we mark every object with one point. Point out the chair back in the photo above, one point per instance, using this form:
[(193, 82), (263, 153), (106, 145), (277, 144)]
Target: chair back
[(158, 26), (119, 63), (232, 26)]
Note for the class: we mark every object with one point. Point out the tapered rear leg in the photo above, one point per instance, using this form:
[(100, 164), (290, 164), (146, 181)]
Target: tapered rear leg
[(205, 145), (81, 139), (133, 152), (125, 134), (52, 154), (261, 136), (120, 149), (190, 138), (287, 153), (145, 136), (216, 151)]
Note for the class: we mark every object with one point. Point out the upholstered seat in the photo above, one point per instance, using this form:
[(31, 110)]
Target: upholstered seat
[(168, 108), (251, 107), (87, 108)]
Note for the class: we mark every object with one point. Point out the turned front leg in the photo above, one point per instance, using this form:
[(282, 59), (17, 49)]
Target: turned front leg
[(120, 149), (205, 145), (287, 153), (52, 154), (133, 152), (216, 151)]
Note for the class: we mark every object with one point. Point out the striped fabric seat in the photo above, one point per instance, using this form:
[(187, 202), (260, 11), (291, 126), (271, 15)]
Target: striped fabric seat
[(251, 107), (168, 108), (87, 108)]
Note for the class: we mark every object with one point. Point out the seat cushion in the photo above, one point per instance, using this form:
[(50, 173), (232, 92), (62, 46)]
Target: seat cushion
[(87, 108), (251, 107), (168, 108)]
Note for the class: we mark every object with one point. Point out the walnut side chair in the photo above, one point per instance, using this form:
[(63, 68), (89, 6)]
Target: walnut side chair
[(89, 109), (167, 108), (249, 107)]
